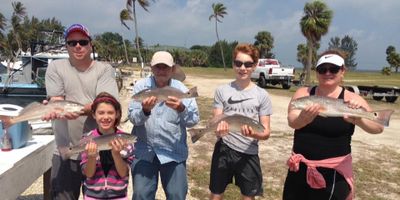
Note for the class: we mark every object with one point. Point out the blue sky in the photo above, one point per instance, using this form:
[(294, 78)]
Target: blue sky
[(373, 24)]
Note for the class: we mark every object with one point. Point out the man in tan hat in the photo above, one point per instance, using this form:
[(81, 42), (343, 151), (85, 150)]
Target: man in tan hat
[(161, 146), (78, 78)]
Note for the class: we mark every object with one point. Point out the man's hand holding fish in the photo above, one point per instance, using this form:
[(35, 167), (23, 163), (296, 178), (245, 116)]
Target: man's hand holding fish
[(62, 113), (175, 103)]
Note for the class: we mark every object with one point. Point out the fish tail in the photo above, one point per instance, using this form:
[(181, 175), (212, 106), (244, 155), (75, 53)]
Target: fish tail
[(65, 152), (7, 121), (382, 116), (196, 133), (193, 92)]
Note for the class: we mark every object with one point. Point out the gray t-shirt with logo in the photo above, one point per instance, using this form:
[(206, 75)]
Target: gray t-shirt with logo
[(62, 79), (252, 102)]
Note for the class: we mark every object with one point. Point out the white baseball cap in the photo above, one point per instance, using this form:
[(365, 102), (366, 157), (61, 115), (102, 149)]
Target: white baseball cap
[(332, 59), (162, 57)]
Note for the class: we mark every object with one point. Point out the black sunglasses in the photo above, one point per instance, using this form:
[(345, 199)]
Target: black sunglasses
[(325, 68), (73, 43), (239, 64)]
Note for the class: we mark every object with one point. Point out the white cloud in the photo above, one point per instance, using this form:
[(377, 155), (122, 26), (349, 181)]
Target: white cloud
[(373, 24)]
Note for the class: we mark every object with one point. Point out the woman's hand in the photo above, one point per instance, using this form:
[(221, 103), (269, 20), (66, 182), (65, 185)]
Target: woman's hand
[(308, 114), (353, 104)]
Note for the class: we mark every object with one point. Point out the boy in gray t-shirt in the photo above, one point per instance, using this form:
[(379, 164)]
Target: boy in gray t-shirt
[(236, 154)]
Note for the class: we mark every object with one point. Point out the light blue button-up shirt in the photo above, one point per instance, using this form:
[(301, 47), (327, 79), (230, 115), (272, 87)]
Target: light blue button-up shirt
[(163, 132)]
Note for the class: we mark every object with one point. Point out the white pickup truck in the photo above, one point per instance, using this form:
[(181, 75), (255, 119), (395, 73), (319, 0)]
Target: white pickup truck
[(269, 71)]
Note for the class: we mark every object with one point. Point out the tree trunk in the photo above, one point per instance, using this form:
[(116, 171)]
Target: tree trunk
[(220, 46), (137, 37), (309, 62), (126, 52)]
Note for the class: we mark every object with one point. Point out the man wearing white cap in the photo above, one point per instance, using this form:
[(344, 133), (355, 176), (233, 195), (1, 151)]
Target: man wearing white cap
[(79, 79), (161, 147)]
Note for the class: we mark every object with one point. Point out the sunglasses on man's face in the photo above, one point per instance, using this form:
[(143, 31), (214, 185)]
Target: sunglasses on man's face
[(333, 69), (73, 43), (239, 64)]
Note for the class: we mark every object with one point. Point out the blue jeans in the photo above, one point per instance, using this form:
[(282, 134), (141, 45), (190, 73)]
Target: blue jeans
[(145, 179)]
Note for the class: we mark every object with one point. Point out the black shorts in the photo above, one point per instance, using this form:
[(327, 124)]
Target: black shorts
[(228, 163)]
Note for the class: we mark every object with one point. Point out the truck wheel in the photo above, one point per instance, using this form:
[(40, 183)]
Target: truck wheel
[(377, 98), (262, 82), (285, 86), (391, 99)]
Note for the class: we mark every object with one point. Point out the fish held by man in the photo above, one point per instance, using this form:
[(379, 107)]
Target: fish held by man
[(235, 123), (35, 110), (332, 107), (103, 143), (162, 93)]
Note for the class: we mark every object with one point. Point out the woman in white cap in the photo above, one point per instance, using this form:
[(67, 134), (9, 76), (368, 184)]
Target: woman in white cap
[(324, 141)]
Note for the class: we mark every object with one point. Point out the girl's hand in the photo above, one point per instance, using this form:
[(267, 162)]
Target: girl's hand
[(117, 145), (91, 149)]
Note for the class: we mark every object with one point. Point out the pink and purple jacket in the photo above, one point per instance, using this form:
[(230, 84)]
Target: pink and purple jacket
[(342, 165), (102, 186)]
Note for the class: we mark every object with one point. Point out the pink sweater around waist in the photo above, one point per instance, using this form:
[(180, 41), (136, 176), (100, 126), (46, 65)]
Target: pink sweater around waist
[(342, 165)]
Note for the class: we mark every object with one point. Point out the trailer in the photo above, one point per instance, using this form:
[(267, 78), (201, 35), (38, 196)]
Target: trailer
[(390, 93)]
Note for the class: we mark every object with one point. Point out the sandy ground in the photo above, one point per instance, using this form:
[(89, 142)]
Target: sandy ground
[(390, 136), (273, 149)]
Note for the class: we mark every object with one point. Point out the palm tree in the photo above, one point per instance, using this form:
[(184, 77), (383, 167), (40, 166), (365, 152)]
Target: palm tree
[(123, 16), (314, 24), (128, 14), (16, 18), (219, 10), (264, 42), (2, 22)]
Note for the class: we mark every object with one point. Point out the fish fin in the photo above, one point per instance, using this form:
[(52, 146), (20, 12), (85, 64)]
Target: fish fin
[(134, 96), (86, 139), (28, 107), (216, 119), (65, 152), (382, 116), (193, 92), (196, 133)]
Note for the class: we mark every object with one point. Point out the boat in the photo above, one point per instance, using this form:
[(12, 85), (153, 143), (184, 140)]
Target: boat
[(25, 77)]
